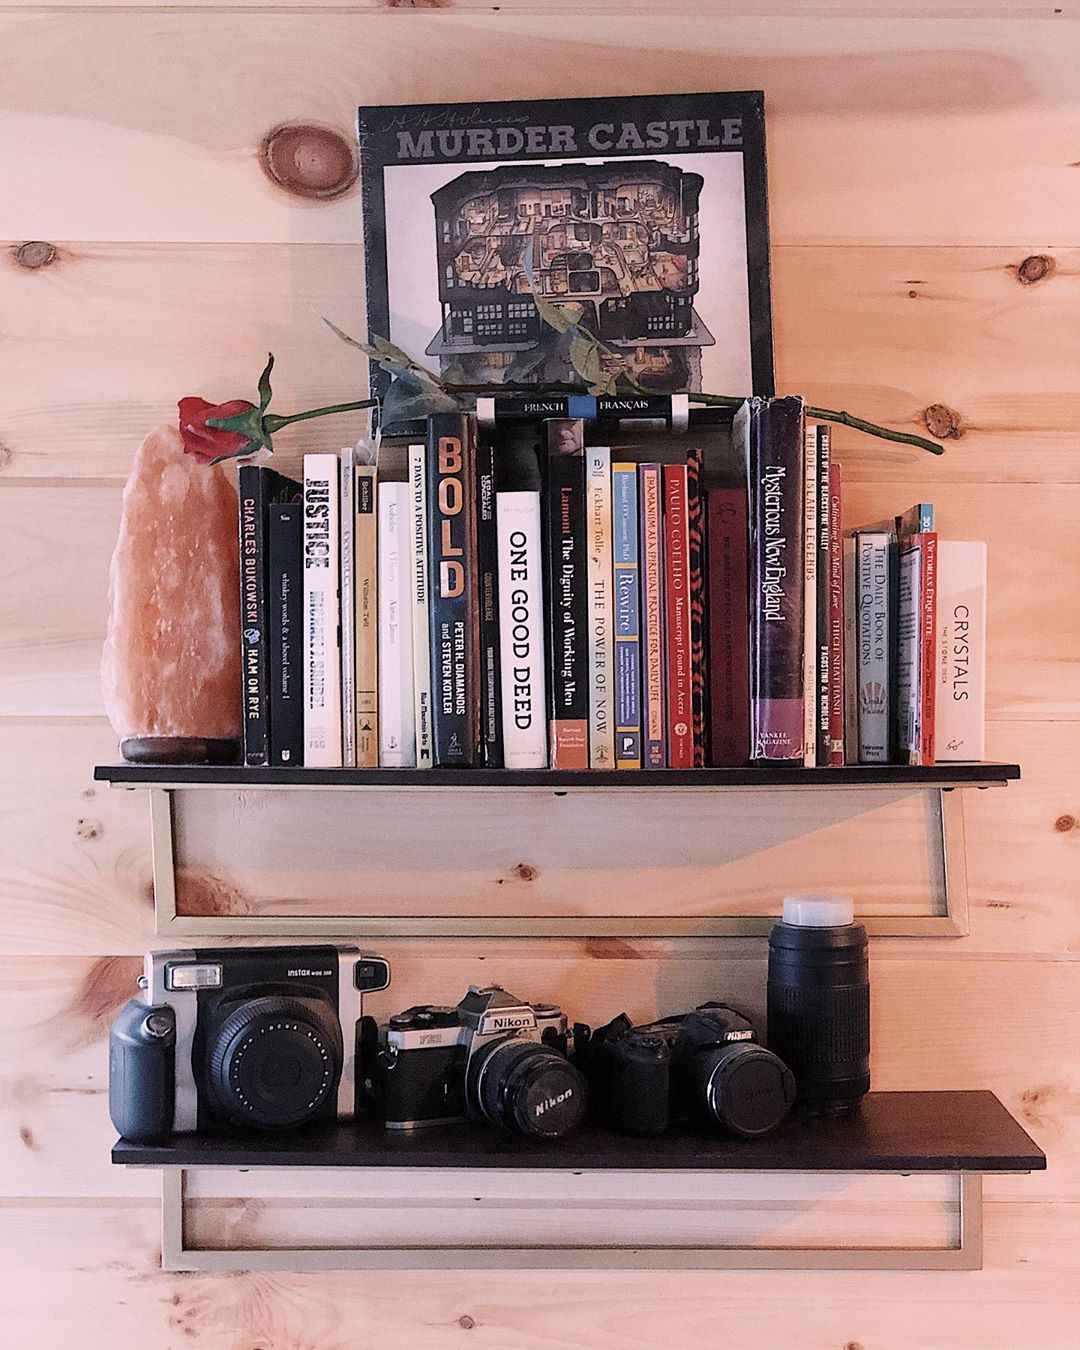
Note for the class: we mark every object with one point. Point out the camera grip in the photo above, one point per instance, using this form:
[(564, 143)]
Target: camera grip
[(142, 1077)]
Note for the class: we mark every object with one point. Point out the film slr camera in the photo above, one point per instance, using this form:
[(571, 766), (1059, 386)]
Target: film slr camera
[(491, 1058), (242, 1037)]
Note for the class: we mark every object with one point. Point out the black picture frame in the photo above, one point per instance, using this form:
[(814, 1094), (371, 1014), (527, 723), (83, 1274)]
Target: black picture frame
[(652, 131)]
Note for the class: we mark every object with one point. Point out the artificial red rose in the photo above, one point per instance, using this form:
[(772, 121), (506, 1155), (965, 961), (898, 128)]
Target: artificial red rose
[(208, 444)]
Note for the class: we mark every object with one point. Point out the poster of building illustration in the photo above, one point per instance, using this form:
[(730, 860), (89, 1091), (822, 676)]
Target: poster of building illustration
[(646, 215)]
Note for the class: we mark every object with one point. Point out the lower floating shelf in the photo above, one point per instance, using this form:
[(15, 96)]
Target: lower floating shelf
[(892, 1132)]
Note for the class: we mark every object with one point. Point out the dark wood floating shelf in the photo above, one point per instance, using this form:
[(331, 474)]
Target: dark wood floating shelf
[(850, 776), (892, 1132)]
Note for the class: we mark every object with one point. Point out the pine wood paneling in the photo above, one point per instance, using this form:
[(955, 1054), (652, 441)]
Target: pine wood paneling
[(879, 132)]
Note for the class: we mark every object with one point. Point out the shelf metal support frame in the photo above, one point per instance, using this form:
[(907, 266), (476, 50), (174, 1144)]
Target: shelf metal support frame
[(948, 870), (966, 1253)]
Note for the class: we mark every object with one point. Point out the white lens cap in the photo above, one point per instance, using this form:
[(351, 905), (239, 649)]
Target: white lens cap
[(818, 911)]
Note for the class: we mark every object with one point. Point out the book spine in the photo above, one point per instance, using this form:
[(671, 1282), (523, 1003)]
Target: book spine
[(875, 645), (777, 585), (695, 516), (928, 650), (258, 489), (821, 600), (601, 622), (348, 609), (521, 635), (961, 673), (653, 662), (567, 598), (286, 592), (418, 590), (365, 586), (487, 545), (680, 711), (670, 408), (729, 636), (626, 580), (322, 605), (455, 615), (809, 643), (397, 713), (851, 654), (907, 732), (836, 621)]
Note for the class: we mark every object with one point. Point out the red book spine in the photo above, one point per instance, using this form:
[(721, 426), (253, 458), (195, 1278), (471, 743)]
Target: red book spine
[(836, 622), (695, 515), (928, 647), (729, 628), (677, 575)]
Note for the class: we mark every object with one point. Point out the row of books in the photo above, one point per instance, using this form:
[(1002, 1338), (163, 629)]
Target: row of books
[(527, 600)]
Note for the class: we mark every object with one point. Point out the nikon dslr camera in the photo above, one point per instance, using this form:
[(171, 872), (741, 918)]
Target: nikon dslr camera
[(705, 1065), (242, 1037), (492, 1058)]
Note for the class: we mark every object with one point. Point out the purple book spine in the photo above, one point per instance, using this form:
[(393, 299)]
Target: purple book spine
[(775, 466)]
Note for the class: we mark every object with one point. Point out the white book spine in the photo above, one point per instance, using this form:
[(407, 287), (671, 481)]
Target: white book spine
[(322, 613), (521, 631), (348, 609), (909, 657), (960, 710), (810, 647), (397, 718), (601, 609), (421, 636)]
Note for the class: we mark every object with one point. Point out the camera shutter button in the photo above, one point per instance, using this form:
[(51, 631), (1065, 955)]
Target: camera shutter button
[(158, 1025)]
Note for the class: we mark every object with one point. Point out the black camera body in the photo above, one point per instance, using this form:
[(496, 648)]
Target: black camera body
[(240, 1037), (491, 1058), (705, 1065)]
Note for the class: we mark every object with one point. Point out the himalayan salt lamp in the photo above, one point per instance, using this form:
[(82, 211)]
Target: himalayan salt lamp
[(170, 670)]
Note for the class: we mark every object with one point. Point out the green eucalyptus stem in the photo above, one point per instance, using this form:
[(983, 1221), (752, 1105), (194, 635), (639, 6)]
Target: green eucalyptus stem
[(718, 401), (275, 421)]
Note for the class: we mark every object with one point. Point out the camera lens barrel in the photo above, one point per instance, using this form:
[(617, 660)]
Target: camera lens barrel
[(819, 1004), (741, 1086), (524, 1087)]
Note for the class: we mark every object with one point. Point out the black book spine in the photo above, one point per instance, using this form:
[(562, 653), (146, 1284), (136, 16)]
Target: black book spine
[(454, 611), (487, 545), (286, 603), (824, 454), (566, 570), (258, 487)]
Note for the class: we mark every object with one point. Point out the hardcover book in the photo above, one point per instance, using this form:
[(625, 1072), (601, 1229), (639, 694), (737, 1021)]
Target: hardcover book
[(695, 516), (680, 708), (347, 563), (567, 595), (729, 629), (810, 551), (487, 549), (258, 489), (653, 647), (770, 436), (365, 586), (838, 677), (601, 656), (322, 607), (521, 630), (285, 604), (876, 642), (823, 524), (961, 673), (455, 611), (644, 216), (397, 703), (624, 528)]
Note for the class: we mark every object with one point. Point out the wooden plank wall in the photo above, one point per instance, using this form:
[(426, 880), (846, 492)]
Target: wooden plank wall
[(921, 156)]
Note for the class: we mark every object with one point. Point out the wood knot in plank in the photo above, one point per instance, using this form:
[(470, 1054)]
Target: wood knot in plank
[(942, 422), (89, 829), (522, 872), (1034, 269), (27, 1137), (6, 455), (202, 895), (108, 983), (1064, 824), (465, 1322), (35, 253), (310, 161)]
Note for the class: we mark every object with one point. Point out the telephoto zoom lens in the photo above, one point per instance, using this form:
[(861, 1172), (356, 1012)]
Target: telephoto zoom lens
[(819, 1003)]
